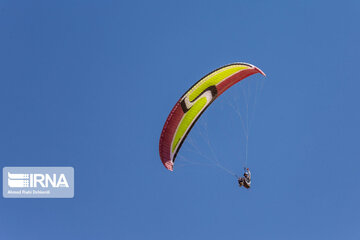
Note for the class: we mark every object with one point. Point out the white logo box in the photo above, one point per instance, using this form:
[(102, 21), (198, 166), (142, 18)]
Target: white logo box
[(38, 182)]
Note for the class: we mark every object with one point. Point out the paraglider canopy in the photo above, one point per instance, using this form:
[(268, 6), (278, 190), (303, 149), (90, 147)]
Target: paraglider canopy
[(193, 103)]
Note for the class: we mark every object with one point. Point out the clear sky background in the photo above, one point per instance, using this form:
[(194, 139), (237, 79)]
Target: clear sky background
[(89, 84)]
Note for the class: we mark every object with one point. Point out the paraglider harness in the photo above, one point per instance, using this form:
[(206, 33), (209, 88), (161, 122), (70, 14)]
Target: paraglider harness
[(246, 180)]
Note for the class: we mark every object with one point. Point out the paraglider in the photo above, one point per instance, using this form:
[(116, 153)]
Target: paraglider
[(193, 103), (246, 180)]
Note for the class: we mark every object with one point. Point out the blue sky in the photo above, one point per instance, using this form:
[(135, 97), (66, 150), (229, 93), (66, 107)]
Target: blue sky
[(89, 84)]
